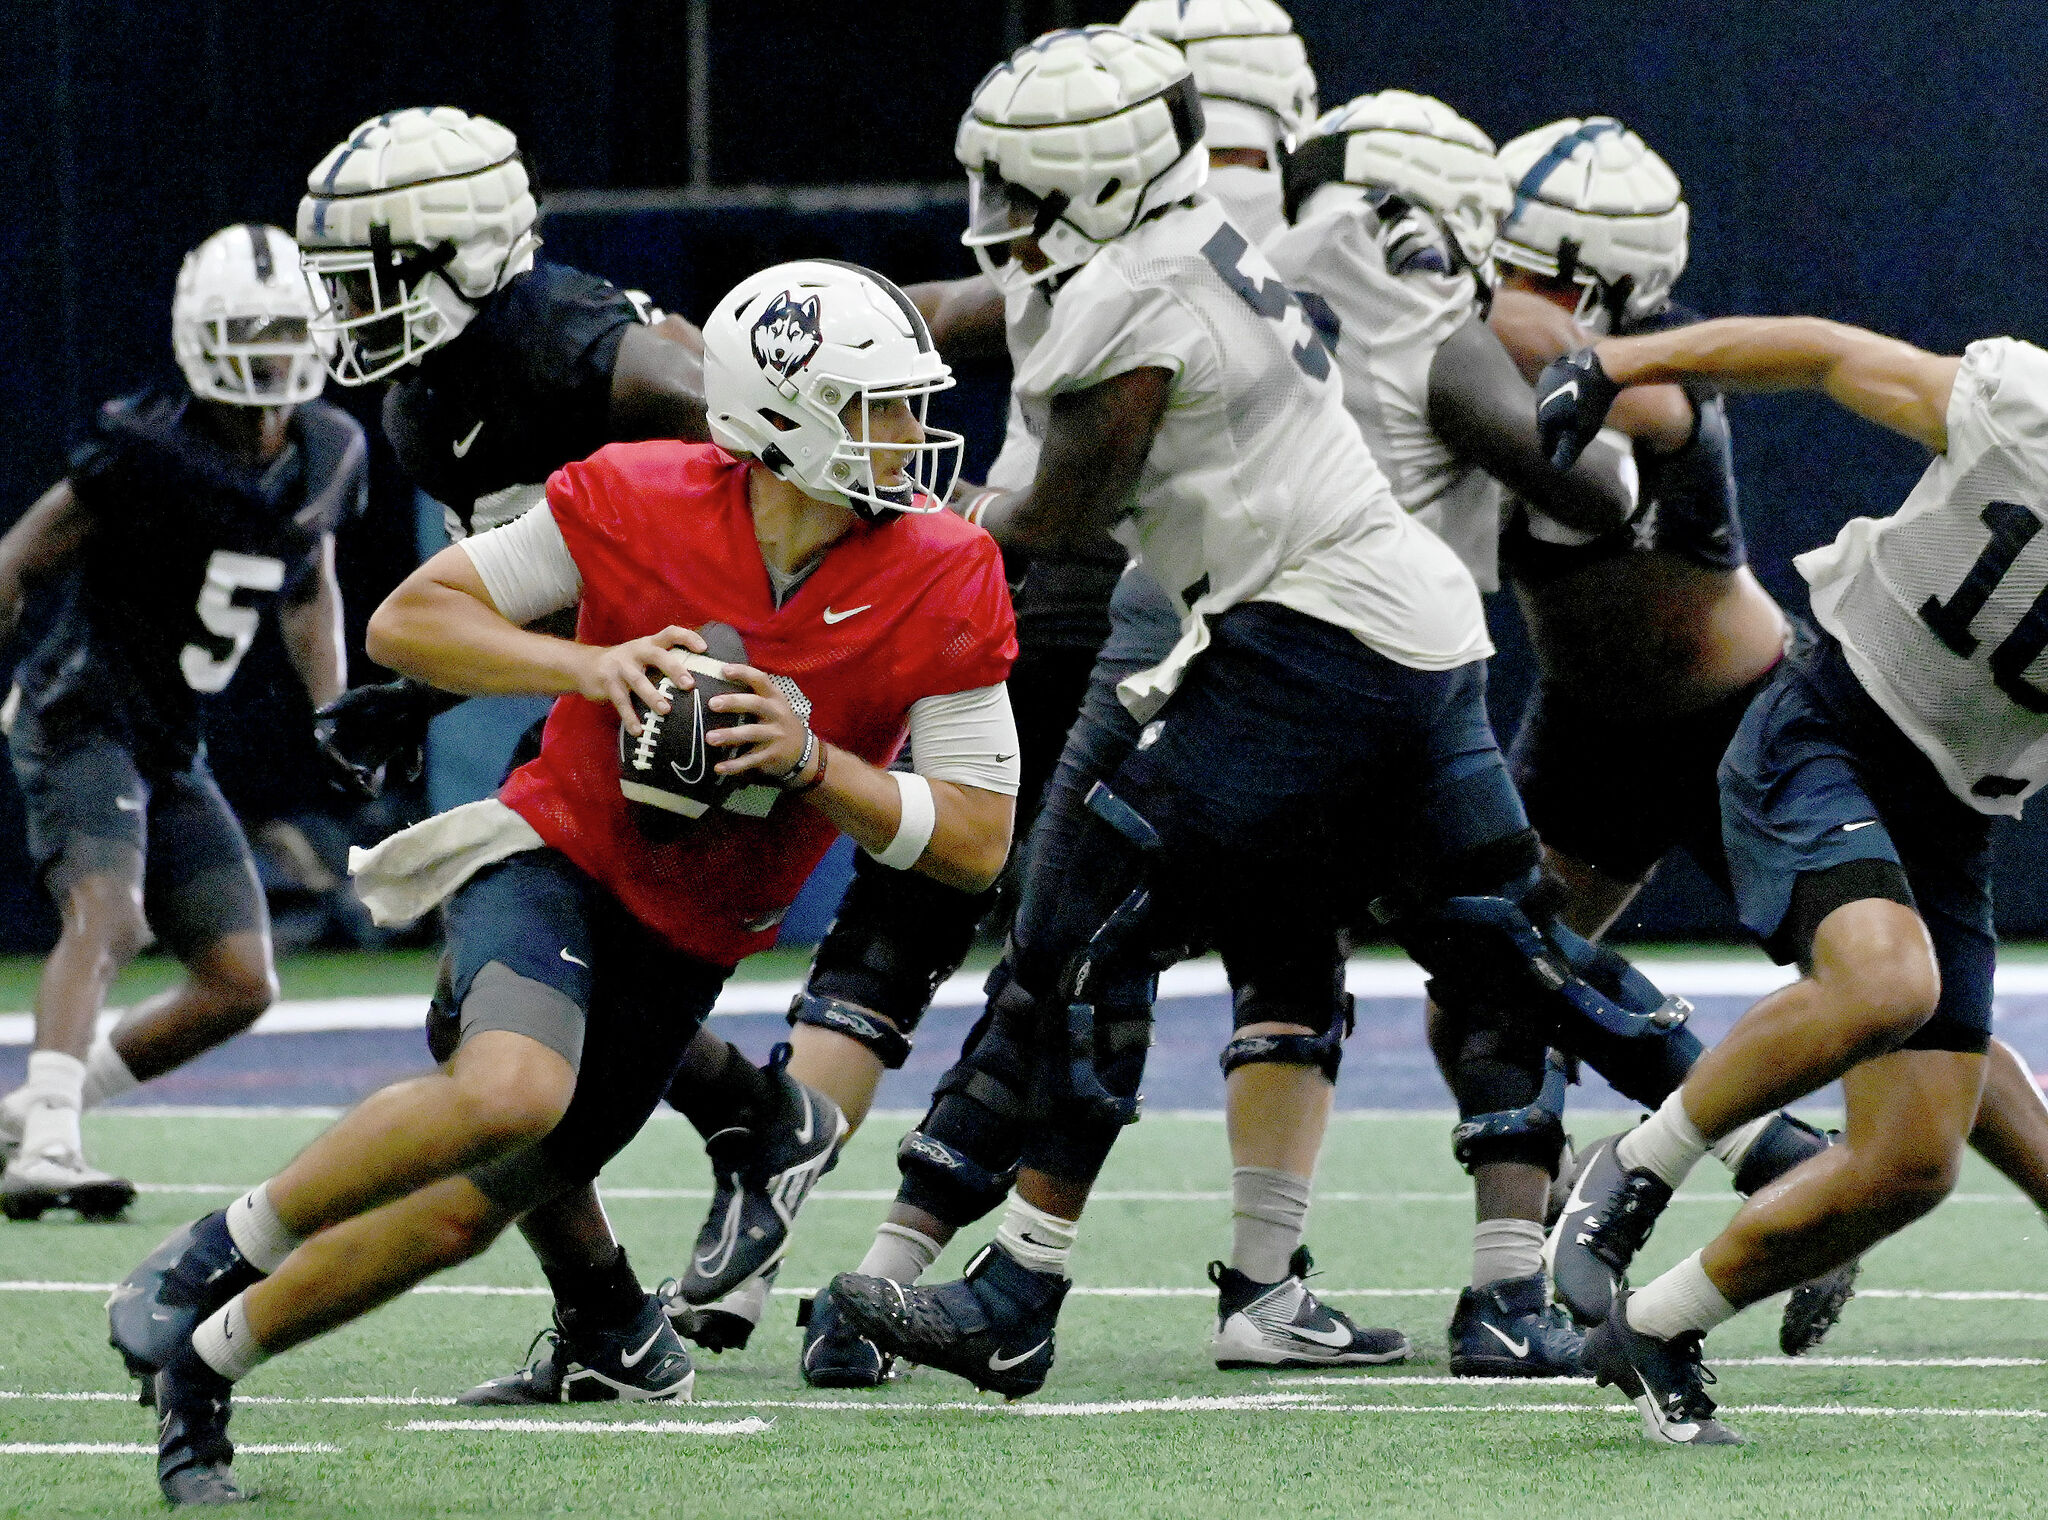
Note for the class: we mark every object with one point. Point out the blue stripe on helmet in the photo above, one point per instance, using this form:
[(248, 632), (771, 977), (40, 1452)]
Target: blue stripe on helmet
[(1560, 154)]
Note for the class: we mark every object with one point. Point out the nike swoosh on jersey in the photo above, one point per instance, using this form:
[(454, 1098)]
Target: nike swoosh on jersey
[(997, 1362), (1850, 828), (461, 445), (574, 960), (840, 617), (1520, 1348), (634, 1359)]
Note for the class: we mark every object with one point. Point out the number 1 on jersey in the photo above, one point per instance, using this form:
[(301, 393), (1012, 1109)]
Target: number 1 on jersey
[(2012, 528), (208, 667)]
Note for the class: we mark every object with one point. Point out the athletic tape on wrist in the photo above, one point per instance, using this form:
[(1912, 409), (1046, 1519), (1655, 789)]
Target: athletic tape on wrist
[(920, 816)]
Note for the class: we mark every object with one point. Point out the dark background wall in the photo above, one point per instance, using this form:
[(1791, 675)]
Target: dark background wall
[(1869, 161)]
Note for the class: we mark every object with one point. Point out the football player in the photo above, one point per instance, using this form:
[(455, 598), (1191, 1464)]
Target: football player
[(1856, 806), (190, 516), (586, 948), (421, 226), (1664, 624), (895, 939), (1331, 648)]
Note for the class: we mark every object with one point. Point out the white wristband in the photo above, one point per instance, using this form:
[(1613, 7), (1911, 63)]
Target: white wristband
[(914, 829)]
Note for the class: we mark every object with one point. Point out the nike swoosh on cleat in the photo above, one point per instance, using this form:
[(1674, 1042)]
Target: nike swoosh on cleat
[(997, 1362), (810, 1124), (646, 1346), (574, 960), (461, 445), (1577, 1200), (712, 1262), (1334, 1337), (1519, 1348)]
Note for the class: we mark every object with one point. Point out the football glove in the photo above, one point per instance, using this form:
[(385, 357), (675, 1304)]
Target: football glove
[(378, 733), (1572, 398)]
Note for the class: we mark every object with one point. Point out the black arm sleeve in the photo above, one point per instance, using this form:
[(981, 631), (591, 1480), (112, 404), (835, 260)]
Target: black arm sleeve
[(1481, 406)]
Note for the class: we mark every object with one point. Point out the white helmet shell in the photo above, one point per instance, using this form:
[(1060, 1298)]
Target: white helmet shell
[(1593, 204), (241, 320), (1249, 64), (1076, 138), (414, 215), (1423, 151), (787, 351)]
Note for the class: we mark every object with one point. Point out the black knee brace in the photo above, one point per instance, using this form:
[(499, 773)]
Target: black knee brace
[(1785, 1143), (959, 1162), (896, 937), (883, 1039), (1263, 998), (1506, 1110)]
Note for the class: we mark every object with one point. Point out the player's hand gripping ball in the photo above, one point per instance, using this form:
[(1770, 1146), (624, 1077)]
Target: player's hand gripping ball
[(667, 766)]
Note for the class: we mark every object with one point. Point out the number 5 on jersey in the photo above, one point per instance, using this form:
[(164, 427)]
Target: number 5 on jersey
[(1272, 300), (210, 665)]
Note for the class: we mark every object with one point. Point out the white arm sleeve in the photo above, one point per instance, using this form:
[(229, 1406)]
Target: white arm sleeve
[(967, 737), (526, 567)]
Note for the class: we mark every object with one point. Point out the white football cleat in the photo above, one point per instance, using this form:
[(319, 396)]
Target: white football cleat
[(61, 1180)]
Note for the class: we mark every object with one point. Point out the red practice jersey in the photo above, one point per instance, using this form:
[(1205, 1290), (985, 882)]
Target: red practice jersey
[(911, 607)]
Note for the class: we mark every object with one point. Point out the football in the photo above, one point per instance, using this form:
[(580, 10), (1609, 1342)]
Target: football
[(668, 767)]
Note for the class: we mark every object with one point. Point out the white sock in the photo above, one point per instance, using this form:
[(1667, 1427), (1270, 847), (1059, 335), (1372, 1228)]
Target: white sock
[(1683, 1299), (106, 1074), (258, 1233), (50, 1123), (1733, 1148), (1038, 1240), (225, 1344), (1268, 1211), (1666, 1145), (1505, 1248), (899, 1253)]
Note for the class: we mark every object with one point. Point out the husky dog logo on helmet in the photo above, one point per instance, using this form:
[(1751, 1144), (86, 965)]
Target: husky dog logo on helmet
[(786, 335)]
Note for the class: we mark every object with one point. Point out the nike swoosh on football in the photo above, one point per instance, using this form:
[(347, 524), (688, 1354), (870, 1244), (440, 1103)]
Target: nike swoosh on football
[(646, 1346), (1520, 1348), (997, 1362), (574, 960), (840, 617), (461, 445)]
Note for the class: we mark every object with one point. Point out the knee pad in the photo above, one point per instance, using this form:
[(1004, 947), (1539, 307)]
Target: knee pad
[(1511, 1097), (1784, 1144), (887, 1043), (1323, 1050), (896, 937), (959, 1162)]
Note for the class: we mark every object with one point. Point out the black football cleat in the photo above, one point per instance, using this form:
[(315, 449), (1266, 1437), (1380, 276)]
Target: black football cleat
[(762, 1180), (1510, 1329), (834, 1356), (1815, 1306), (1666, 1379), (726, 1325), (153, 1311), (994, 1327), (1283, 1324), (194, 1456), (1605, 1221), (643, 1363)]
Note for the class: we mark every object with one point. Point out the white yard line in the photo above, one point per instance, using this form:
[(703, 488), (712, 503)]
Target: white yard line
[(597, 1427)]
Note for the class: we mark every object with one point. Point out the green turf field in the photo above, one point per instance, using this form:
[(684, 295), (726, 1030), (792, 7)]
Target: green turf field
[(1135, 1421)]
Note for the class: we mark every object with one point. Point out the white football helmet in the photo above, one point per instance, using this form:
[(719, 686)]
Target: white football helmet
[(788, 350), (1594, 205), (242, 320), (1076, 138), (1251, 68), (1420, 149), (412, 217)]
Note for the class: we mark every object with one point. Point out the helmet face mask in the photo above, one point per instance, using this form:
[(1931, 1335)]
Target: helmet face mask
[(406, 224), (824, 372), (242, 321)]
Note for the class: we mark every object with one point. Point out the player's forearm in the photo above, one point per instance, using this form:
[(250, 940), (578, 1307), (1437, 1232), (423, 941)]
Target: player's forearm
[(970, 836), (312, 635), (965, 316), (450, 639), (45, 540)]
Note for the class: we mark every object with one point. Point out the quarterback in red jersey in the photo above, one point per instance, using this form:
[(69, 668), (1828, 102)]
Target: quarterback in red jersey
[(585, 948)]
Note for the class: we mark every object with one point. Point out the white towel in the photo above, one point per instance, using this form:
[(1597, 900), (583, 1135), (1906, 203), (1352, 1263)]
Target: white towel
[(419, 868)]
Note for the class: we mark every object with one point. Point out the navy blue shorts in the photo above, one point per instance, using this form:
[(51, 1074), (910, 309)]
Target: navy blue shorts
[(92, 808), (1818, 777), (537, 917)]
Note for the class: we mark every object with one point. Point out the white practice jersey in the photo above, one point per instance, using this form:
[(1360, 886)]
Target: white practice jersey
[(1942, 607), (1388, 327), (1252, 198), (1258, 486)]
